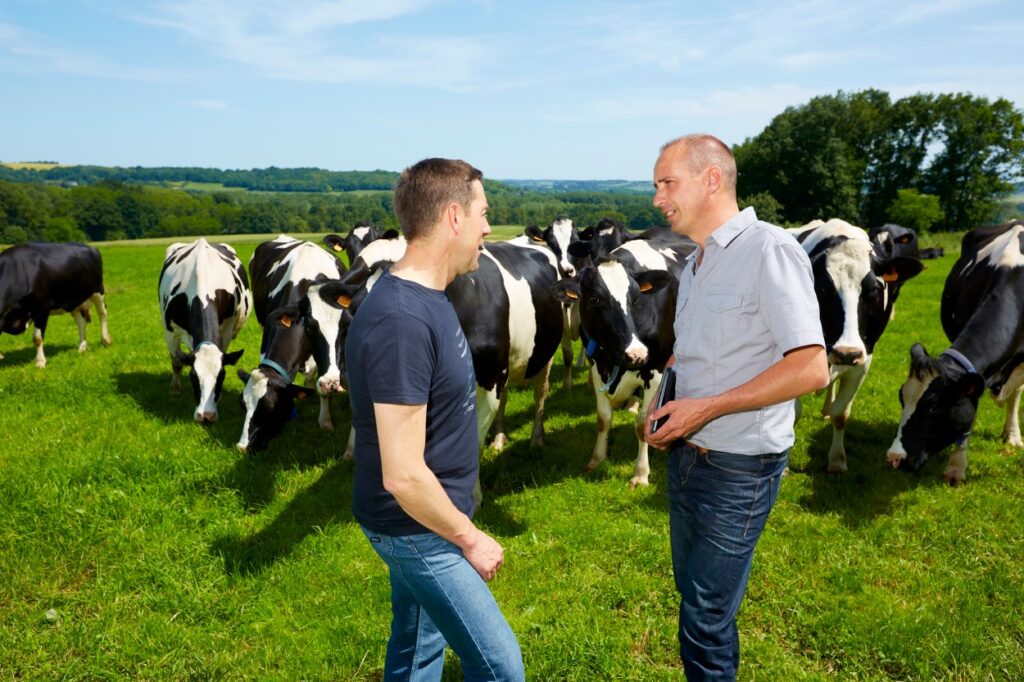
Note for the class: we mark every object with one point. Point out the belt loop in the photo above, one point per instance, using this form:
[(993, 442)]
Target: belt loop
[(701, 451)]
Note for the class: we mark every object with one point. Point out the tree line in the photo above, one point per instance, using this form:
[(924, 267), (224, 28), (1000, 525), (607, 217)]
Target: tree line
[(942, 162)]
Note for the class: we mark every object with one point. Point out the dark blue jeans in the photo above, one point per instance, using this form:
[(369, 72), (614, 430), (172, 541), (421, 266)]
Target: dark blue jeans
[(718, 505), (438, 599)]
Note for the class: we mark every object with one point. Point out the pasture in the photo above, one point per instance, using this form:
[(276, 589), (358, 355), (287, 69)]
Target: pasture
[(135, 543)]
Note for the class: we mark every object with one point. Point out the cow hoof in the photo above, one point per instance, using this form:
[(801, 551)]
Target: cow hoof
[(82, 347), (537, 442), (107, 341), (347, 456), (1014, 441), (638, 480), (499, 442), (40, 364), (836, 468), (954, 475), (592, 464), (329, 426)]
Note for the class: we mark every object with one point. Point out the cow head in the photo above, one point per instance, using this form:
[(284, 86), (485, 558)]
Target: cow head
[(894, 240), (623, 313), (207, 377), (600, 240), (326, 315), (940, 401), (856, 291), (558, 236), (361, 235)]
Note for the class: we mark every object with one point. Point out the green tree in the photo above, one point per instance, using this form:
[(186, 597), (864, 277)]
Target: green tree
[(915, 210)]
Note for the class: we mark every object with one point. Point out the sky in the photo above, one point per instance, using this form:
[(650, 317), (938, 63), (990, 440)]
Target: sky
[(522, 90)]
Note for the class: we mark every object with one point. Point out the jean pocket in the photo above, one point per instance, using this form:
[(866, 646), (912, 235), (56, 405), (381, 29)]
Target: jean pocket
[(738, 465)]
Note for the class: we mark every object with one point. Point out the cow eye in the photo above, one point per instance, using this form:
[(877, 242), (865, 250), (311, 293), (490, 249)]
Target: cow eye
[(595, 300)]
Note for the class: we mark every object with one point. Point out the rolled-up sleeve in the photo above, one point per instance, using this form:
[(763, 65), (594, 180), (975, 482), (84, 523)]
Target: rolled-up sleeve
[(787, 297)]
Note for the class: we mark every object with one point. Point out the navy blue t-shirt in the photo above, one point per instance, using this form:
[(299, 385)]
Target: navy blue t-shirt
[(406, 347)]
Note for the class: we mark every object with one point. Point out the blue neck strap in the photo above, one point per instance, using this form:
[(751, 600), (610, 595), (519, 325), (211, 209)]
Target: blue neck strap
[(264, 360), (961, 359)]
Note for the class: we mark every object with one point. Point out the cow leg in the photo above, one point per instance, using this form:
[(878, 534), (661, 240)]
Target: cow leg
[(350, 447), (642, 467), (500, 436), (604, 424), (1011, 430), (830, 396), (309, 381), (540, 394), (173, 349), (956, 468), (486, 408), (37, 338), (567, 357), (850, 380), (79, 317), (101, 308)]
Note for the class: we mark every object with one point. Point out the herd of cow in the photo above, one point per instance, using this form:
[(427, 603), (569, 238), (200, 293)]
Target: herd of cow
[(613, 289)]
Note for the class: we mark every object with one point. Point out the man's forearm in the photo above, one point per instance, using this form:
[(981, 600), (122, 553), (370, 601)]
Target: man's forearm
[(422, 497)]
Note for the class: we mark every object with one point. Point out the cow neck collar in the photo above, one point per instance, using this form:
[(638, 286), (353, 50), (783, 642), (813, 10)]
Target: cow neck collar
[(616, 370), (265, 361), (960, 359)]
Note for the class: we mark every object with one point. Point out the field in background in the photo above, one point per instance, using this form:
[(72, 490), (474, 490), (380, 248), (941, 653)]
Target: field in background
[(30, 165), (137, 544)]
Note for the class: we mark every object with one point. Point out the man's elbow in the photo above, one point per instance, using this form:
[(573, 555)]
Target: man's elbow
[(398, 484), (819, 370)]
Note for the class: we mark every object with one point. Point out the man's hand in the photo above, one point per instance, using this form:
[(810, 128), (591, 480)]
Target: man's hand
[(685, 416), (485, 555)]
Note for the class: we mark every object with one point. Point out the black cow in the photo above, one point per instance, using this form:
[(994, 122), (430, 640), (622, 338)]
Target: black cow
[(37, 280), (302, 322), (507, 310), (204, 301), (856, 287), (983, 315), (361, 235), (627, 307)]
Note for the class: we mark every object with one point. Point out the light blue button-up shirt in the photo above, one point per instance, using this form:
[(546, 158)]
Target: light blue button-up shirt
[(749, 301)]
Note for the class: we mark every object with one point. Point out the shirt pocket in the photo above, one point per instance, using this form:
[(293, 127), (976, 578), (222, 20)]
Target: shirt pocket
[(723, 308)]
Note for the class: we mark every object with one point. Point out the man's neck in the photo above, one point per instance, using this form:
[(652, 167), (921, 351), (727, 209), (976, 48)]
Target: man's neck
[(715, 218), (425, 264)]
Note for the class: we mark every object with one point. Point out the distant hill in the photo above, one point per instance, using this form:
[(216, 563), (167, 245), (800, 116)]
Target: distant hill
[(622, 186)]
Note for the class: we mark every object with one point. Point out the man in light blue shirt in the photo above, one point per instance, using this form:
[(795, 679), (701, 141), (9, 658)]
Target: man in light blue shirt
[(748, 341)]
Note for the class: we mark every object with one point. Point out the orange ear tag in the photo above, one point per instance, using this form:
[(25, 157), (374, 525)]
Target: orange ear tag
[(344, 301)]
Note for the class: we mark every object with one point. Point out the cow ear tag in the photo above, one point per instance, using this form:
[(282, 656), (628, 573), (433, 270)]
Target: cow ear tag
[(891, 276), (537, 238), (286, 321), (645, 287), (337, 247), (344, 301), (569, 293)]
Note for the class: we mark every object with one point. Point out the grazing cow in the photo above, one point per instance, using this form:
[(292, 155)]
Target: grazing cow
[(627, 306), (39, 279), (362, 234), (511, 319), (983, 315), (301, 321), (856, 288), (557, 237), (204, 300)]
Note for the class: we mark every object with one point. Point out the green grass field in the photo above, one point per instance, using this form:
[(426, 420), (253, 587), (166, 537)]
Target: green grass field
[(137, 544)]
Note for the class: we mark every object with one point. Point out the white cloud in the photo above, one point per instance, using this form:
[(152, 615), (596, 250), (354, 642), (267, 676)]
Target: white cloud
[(314, 41)]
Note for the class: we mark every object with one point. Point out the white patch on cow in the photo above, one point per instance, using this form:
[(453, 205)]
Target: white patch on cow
[(525, 242), (646, 255), (1004, 250), (307, 261), (329, 319), (361, 232), (253, 392), (911, 392), (606, 231), (616, 281), (207, 366), (847, 263), (522, 321), (200, 275), (381, 250), (562, 232)]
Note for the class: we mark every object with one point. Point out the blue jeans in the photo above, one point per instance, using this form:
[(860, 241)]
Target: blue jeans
[(438, 598), (718, 505)]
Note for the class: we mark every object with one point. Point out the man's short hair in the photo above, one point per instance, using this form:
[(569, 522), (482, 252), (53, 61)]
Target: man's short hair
[(702, 150), (425, 190)]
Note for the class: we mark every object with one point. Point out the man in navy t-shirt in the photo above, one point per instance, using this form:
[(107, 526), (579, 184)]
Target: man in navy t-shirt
[(413, 389)]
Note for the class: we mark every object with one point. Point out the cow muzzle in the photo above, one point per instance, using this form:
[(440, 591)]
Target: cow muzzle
[(846, 355), (205, 417), (328, 385)]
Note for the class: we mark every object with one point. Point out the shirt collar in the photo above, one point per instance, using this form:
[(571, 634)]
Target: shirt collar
[(734, 227)]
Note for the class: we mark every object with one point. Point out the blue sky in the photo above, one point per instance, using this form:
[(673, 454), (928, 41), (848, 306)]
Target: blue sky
[(574, 90)]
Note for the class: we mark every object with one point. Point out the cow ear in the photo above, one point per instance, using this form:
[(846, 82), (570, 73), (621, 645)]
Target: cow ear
[(187, 359), (918, 353), (567, 290), (579, 249), (339, 294), (334, 242), (899, 268), (232, 358), (243, 375), (587, 233), (285, 317), (534, 233), (906, 239), (651, 281), (298, 392), (391, 234)]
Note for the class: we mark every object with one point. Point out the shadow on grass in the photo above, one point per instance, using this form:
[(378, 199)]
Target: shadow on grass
[(870, 485), (27, 355), (326, 501)]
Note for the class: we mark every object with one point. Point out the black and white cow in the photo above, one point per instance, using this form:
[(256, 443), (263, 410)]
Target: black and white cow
[(361, 235), (511, 319), (204, 301), (609, 234), (856, 288), (37, 280), (301, 322), (557, 237), (983, 315), (627, 306), (895, 240)]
